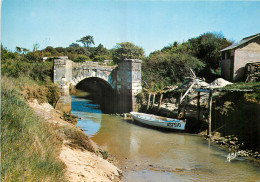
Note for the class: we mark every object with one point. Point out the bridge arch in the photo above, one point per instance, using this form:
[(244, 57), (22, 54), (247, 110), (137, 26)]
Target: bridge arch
[(125, 80), (99, 92), (81, 72)]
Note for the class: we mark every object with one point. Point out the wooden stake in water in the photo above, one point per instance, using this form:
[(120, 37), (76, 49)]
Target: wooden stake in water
[(148, 101), (153, 100), (198, 106), (210, 110), (160, 101)]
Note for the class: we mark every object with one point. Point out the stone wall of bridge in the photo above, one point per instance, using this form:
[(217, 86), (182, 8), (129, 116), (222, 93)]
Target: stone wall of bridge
[(124, 79)]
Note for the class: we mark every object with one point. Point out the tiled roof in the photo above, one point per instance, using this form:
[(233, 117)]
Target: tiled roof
[(243, 41)]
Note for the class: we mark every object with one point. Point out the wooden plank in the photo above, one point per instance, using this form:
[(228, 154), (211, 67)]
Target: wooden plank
[(207, 90), (202, 90), (234, 90)]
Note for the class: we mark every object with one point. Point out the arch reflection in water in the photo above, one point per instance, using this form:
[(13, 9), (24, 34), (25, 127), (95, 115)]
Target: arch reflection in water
[(100, 92), (90, 114)]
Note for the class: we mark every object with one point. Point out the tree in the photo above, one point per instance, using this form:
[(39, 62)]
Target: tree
[(206, 48), (100, 50), (74, 45), (52, 51), (22, 50), (87, 40), (81, 58), (19, 49), (127, 50), (167, 68), (61, 50)]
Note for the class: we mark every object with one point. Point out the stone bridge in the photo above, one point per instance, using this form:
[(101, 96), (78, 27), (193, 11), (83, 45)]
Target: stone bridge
[(124, 80)]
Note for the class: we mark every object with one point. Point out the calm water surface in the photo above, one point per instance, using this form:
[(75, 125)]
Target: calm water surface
[(147, 154)]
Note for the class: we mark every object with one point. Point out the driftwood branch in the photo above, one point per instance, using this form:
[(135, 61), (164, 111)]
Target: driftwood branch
[(186, 92), (193, 74)]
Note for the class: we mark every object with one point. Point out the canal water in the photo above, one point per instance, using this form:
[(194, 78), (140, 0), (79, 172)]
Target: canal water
[(147, 155)]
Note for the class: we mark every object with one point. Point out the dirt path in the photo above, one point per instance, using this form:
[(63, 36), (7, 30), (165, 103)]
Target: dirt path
[(82, 165)]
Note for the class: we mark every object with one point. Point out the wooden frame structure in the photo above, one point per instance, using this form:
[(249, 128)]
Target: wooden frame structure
[(211, 92)]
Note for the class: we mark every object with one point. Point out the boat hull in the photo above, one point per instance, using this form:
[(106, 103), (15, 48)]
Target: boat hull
[(157, 121)]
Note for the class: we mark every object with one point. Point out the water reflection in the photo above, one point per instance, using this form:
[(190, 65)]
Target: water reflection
[(146, 154), (89, 115)]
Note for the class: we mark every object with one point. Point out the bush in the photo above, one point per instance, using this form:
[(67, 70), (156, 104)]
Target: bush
[(47, 92), (78, 139), (17, 68), (70, 118), (81, 58), (100, 58), (127, 50), (167, 68)]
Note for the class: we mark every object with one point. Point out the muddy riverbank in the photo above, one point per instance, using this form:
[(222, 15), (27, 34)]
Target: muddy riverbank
[(235, 120), (84, 160)]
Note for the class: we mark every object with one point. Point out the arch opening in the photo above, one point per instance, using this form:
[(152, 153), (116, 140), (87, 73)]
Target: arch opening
[(100, 92)]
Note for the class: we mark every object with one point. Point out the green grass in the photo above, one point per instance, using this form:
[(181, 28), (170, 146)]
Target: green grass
[(242, 85), (29, 147), (254, 96)]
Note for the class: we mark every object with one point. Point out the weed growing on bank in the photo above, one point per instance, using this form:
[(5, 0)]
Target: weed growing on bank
[(78, 139), (29, 147)]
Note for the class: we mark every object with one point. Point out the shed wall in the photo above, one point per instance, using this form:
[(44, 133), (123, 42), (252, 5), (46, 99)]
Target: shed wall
[(249, 52)]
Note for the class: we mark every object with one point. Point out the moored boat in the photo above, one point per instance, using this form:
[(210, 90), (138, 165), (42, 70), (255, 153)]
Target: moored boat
[(158, 121)]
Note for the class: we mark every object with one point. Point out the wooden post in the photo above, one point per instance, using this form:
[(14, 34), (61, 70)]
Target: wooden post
[(184, 107), (198, 106), (179, 105), (148, 101), (153, 100), (210, 109), (160, 101), (180, 97)]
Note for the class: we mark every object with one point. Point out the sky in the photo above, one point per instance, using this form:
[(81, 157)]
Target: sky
[(150, 24)]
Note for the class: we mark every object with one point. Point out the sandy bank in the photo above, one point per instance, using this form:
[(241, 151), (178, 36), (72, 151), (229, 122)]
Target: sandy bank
[(81, 164)]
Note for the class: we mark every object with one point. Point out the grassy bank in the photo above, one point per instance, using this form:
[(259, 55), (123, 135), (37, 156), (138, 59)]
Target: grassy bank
[(29, 147)]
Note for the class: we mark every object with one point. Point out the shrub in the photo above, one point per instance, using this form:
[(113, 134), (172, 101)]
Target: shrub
[(78, 139), (81, 58), (127, 50), (167, 68)]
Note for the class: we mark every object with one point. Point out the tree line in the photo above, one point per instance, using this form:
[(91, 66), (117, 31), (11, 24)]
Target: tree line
[(171, 64), (161, 68)]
